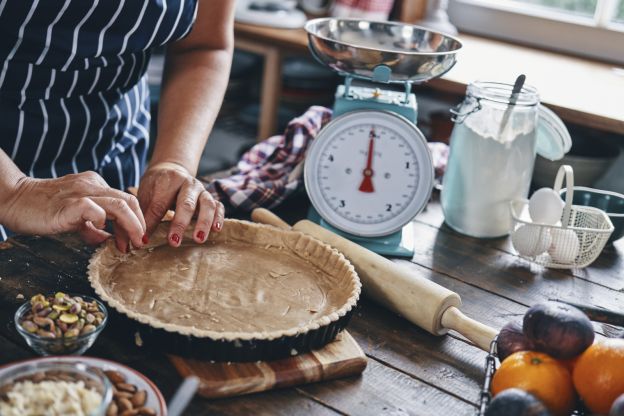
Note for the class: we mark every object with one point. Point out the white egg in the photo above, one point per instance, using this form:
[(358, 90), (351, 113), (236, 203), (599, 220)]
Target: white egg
[(565, 246), (531, 240), (545, 206)]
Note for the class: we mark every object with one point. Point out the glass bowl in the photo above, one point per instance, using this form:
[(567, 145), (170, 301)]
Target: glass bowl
[(60, 346), (41, 369)]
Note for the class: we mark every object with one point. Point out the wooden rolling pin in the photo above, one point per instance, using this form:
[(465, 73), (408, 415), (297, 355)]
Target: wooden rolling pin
[(421, 301)]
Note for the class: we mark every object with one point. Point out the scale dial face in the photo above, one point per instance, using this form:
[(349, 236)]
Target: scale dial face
[(369, 173)]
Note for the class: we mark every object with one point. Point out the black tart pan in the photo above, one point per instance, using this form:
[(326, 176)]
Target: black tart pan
[(213, 345), (188, 346)]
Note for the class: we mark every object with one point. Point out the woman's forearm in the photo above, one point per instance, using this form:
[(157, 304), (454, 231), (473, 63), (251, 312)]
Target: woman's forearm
[(193, 89), (10, 177), (197, 70)]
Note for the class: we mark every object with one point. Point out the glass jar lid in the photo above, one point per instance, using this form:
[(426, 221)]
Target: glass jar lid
[(553, 138)]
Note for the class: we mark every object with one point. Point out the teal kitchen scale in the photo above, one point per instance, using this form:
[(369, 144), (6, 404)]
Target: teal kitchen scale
[(369, 171)]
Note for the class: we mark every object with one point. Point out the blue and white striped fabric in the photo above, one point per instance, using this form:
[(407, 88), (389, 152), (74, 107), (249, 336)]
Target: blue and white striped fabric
[(73, 87)]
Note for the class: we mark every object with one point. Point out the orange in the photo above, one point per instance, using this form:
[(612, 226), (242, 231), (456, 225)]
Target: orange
[(539, 374), (599, 374), (569, 363)]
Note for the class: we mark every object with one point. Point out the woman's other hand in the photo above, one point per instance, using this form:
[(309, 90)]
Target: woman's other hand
[(169, 185), (74, 203), (195, 78)]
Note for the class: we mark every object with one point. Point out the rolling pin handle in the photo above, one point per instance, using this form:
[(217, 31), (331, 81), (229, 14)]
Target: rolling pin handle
[(481, 335)]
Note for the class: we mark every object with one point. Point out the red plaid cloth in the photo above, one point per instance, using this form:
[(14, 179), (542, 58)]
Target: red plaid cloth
[(273, 169)]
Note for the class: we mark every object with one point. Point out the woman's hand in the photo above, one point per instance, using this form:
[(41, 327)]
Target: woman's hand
[(79, 202), (167, 185)]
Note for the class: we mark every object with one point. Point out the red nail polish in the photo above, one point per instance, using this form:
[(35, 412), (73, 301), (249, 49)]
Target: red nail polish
[(175, 238), (145, 239), (218, 226), (201, 235)]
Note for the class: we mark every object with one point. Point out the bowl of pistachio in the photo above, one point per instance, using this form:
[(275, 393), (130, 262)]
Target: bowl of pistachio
[(60, 323)]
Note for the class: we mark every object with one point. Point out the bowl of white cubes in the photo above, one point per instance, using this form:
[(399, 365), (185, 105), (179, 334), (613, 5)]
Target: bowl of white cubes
[(554, 233)]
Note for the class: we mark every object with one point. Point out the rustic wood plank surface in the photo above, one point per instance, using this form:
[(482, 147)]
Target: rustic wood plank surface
[(339, 359), (410, 372)]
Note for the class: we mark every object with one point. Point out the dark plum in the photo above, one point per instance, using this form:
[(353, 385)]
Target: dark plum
[(617, 408), (559, 330), (511, 339), (516, 402)]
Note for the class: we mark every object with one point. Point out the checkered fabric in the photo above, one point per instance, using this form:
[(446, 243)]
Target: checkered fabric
[(273, 169)]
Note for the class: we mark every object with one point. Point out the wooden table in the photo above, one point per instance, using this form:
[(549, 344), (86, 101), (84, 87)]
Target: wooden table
[(410, 372)]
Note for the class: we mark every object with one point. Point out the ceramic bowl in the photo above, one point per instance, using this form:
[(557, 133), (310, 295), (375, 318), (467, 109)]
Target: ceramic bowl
[(610, 202), (590, 157)]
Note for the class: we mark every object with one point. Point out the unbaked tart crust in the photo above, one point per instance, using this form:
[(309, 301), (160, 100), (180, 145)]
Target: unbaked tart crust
[(248, 282)]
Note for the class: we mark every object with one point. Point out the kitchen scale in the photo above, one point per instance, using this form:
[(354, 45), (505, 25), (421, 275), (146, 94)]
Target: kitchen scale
[(369, 171)]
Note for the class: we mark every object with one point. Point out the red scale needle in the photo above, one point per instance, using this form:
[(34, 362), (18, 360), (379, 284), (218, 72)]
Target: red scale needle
[(367, 181)]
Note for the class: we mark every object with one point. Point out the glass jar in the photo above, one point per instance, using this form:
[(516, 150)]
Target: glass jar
[(492, 152)]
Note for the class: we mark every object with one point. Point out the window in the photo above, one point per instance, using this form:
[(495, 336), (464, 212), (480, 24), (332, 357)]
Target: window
[(593, 28), (619, 16), (579, 7)]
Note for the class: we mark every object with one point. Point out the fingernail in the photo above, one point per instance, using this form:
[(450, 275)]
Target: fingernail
[(145, 239), (201, 235), (218, 226), (175, 238)]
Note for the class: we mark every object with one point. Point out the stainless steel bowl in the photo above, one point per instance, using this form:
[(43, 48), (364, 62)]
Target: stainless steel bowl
[(356, 47)]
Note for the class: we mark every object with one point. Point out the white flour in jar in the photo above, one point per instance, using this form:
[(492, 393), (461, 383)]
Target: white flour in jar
[(487, 170)]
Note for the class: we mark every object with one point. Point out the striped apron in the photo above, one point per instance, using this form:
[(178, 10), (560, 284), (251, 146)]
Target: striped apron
[(73, 87)]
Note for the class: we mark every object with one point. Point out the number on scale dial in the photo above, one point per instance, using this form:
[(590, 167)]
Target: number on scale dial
[(369, 173)]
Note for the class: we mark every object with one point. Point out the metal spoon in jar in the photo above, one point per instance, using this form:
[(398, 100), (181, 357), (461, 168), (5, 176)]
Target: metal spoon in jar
[(512, 102)]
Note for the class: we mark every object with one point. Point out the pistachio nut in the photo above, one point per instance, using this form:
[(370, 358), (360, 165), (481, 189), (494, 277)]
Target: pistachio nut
[(73, 332), (46, 334), (61, 307), (68, 318), (30, 326), (87, 329)]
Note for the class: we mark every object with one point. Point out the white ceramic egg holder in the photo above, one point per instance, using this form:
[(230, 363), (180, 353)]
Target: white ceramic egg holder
[(575, 243)]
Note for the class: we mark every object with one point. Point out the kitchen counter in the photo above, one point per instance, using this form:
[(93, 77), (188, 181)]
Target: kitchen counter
[(579, 90), (410, 372)]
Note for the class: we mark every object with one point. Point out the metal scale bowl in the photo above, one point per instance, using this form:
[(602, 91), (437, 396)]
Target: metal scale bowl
[(369, 171), (356, 48)]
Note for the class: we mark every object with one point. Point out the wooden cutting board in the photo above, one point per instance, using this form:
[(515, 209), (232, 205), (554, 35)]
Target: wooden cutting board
[(341, 358)]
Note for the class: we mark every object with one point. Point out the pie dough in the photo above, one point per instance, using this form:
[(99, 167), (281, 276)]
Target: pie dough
[(249, 281)]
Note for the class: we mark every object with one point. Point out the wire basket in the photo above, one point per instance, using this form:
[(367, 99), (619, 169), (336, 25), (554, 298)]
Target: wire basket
[(485, 397), (575, 243)]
